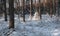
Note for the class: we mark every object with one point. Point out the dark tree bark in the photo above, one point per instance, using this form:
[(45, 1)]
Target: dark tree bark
[(11, 13), (58, 8), (5, 13), (23, 10), (55, 6)]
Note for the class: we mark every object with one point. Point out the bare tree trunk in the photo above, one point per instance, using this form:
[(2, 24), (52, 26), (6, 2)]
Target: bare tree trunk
[(5, 13), (40, 9), (36, 5), (11, 13), (55, 5), (44, 6), (58, 6), (30, 9), (23, 12), (51, 8), (50, 12)]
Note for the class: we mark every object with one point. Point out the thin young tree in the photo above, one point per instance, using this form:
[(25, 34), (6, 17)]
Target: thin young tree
[(55, 6), (40, 9), (51, 8), (5, 13), (11, 13), (36, 6), (1, 4), (23, 10), (47, 6), (58, 8), (44, 6), (30, 9)]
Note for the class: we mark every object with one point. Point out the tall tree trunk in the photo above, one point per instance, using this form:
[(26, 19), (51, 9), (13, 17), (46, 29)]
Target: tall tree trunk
[(23, 10), (35, 5), (30, 9), (5, 13), (55, 6), (11, 13), (51, 8), (58, 8), (40, 9), (44, 6)]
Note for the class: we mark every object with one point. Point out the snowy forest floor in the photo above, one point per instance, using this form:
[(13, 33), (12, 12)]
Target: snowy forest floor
[(47, 26)]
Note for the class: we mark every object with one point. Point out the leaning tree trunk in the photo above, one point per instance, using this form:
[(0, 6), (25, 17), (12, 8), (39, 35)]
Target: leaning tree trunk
[(5, 13), (11, 13)]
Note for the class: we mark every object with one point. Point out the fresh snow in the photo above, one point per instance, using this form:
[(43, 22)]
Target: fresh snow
[(46, 26)]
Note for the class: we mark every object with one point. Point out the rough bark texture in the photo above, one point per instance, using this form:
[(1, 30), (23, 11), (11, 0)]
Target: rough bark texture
[(11, 13)]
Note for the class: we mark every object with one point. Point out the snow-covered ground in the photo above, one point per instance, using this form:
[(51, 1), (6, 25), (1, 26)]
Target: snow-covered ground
[(46, 26)]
